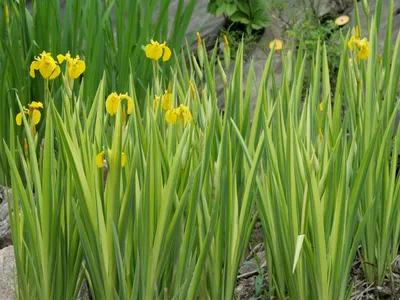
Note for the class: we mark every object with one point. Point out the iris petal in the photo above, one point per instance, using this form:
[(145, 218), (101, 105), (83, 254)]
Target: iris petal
[(99, 159), (18, 119), (55, 73), (36, 116), (34, 66), (167, 53)]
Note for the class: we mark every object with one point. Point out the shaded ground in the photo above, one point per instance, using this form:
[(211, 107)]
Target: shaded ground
[(362, 289)]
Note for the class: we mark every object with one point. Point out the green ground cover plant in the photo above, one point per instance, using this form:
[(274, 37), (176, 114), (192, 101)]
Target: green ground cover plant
[(251, 14), (154, 194)]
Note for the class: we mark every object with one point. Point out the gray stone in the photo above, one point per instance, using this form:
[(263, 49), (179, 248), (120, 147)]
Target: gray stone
[(326, 7), (251, 266), (206, 24), (7, 273), (5, 228), (201, 21)]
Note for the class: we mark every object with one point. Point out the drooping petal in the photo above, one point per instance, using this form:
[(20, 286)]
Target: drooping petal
[(171, 116), (153, 51), (18, 119), (184, 112), (34, 66), (99, 159), (147, 50), (167, 53), (47, 67), (166, 101), (363, 53), (76, 68), (55, 73), (112, 103), (129, 103), (157, 52), (61, 58), (36, 116)]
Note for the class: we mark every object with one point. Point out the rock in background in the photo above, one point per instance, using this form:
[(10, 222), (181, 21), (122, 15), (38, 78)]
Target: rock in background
[(5, 228), (7, 273)]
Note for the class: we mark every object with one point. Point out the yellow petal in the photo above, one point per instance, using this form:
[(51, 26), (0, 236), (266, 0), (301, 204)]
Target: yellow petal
[(363, 53), (18, 119), (171, 116), (147, 50), (153, 51), (187, 118), (123, 159), (35, 105), (351, 42), (112, 103), (34, 66), (61, 58), (81, 66), (99, 159), (47, 68), (166, 101), (76, 68), (167, 53), (36, 116), (129, 103), (55, 73)]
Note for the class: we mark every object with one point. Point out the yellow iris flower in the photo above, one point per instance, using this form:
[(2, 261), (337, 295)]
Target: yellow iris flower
[(362, 46), (113, 101), (171, 115), (181, 113), (185, 114), (155, 51), (100, 158), (46, 65), (363, 49), (32, 111), (76, 66)]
